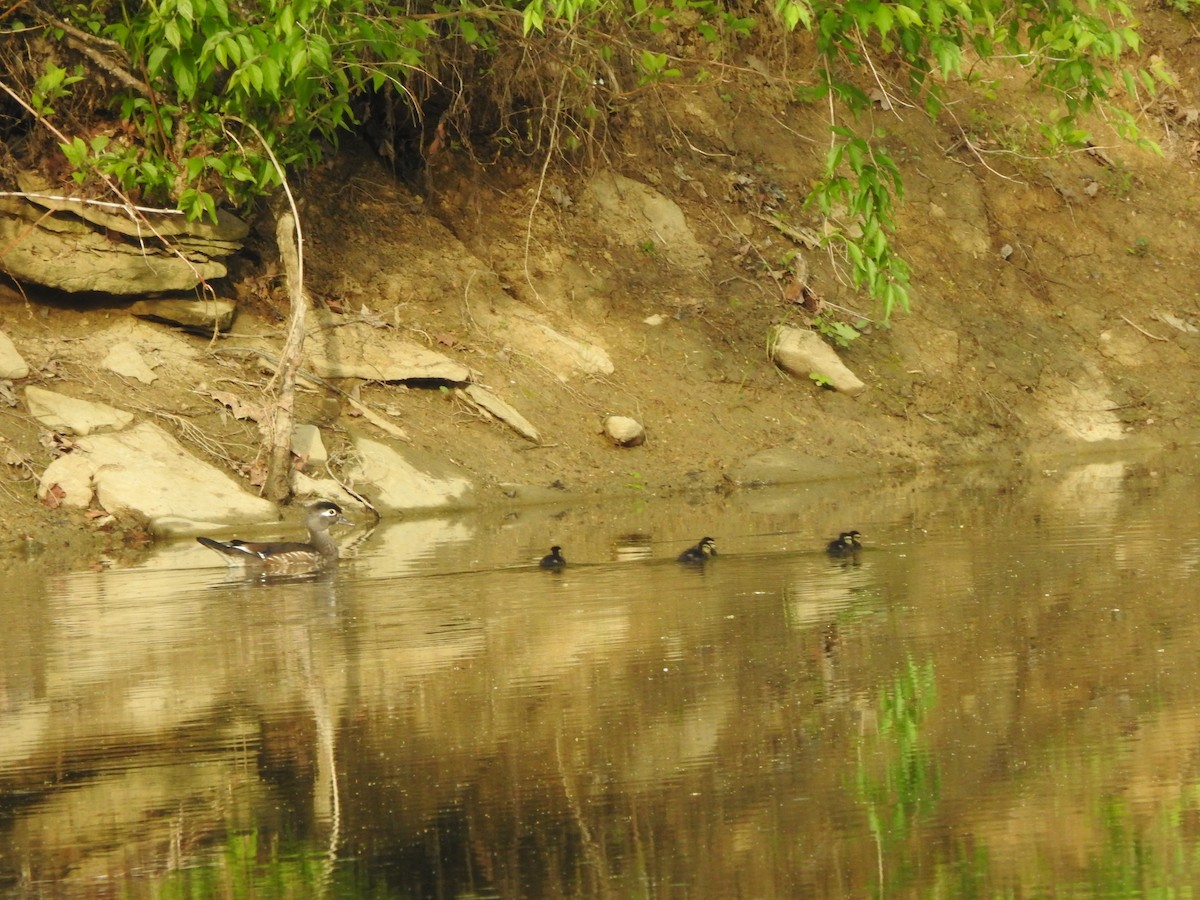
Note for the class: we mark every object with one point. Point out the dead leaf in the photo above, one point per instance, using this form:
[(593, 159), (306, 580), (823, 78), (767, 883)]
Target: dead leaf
[(255, 412), (56, 443), (54, 496)]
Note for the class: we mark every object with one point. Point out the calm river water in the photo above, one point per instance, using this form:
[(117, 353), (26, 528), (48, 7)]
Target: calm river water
[(999, 697)]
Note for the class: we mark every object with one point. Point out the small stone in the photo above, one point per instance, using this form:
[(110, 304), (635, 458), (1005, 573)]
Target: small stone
[(654, 320), (307, 444), (624, 431)]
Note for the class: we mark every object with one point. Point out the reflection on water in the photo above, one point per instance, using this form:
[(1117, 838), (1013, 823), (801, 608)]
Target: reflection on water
[(997, 697)]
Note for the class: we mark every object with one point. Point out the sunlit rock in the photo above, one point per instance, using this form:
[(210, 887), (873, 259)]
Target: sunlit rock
[(494, 406), (804, 354), (395, 484), (70, 414), (12, 364), (124, 359), (624, 431), (146, 472)]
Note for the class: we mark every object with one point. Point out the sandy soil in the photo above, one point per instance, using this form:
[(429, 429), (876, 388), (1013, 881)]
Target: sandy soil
[(1055, 308)]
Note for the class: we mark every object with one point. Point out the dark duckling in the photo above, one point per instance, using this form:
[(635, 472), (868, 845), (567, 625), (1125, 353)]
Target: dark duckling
[(554, 559), (700, 553), (288, 556), (845, 544)]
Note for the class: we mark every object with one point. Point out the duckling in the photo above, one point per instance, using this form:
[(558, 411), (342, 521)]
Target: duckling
[(700, 553), (845, 544), (554, 559), (288, 556)]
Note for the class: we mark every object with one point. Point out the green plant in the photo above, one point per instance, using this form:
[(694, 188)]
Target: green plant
[(211, 87), (863, 199), (840, 333), (53, 85), (820, 380), (1071, 49)]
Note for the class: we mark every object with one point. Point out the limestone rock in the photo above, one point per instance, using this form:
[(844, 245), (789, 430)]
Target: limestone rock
[(69, 414), (124, 359), (624, 431), (12, 364), (144, 470), (337, 348), (639, 216), (493, 405), (218, 239), (397, 484), (307, 444), (531, 334), (197, 315), (803, 353), (69, 255)]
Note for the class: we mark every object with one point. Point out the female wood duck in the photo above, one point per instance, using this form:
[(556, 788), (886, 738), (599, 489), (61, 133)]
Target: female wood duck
[(700, 553), (553, 559), (845, 544), (288, 556)]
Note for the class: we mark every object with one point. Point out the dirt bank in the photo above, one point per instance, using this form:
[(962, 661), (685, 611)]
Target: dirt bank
[(1054, 309)]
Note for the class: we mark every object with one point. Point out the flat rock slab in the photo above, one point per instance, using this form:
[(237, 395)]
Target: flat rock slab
[(124, 359), (339, 349), (529, 333), (197, 315), (68, 255), (12, 364), (804, 354), (494, 406), (227, 233), (145, 471), (70, 414), (398, 484)]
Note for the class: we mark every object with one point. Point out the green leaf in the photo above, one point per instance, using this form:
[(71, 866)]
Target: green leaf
[(884, 19), (172, 35)]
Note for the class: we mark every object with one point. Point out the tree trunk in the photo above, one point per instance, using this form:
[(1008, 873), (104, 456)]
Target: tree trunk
[(278, 486)]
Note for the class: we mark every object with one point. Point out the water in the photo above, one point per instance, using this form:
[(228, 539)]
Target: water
[(999, 697)]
